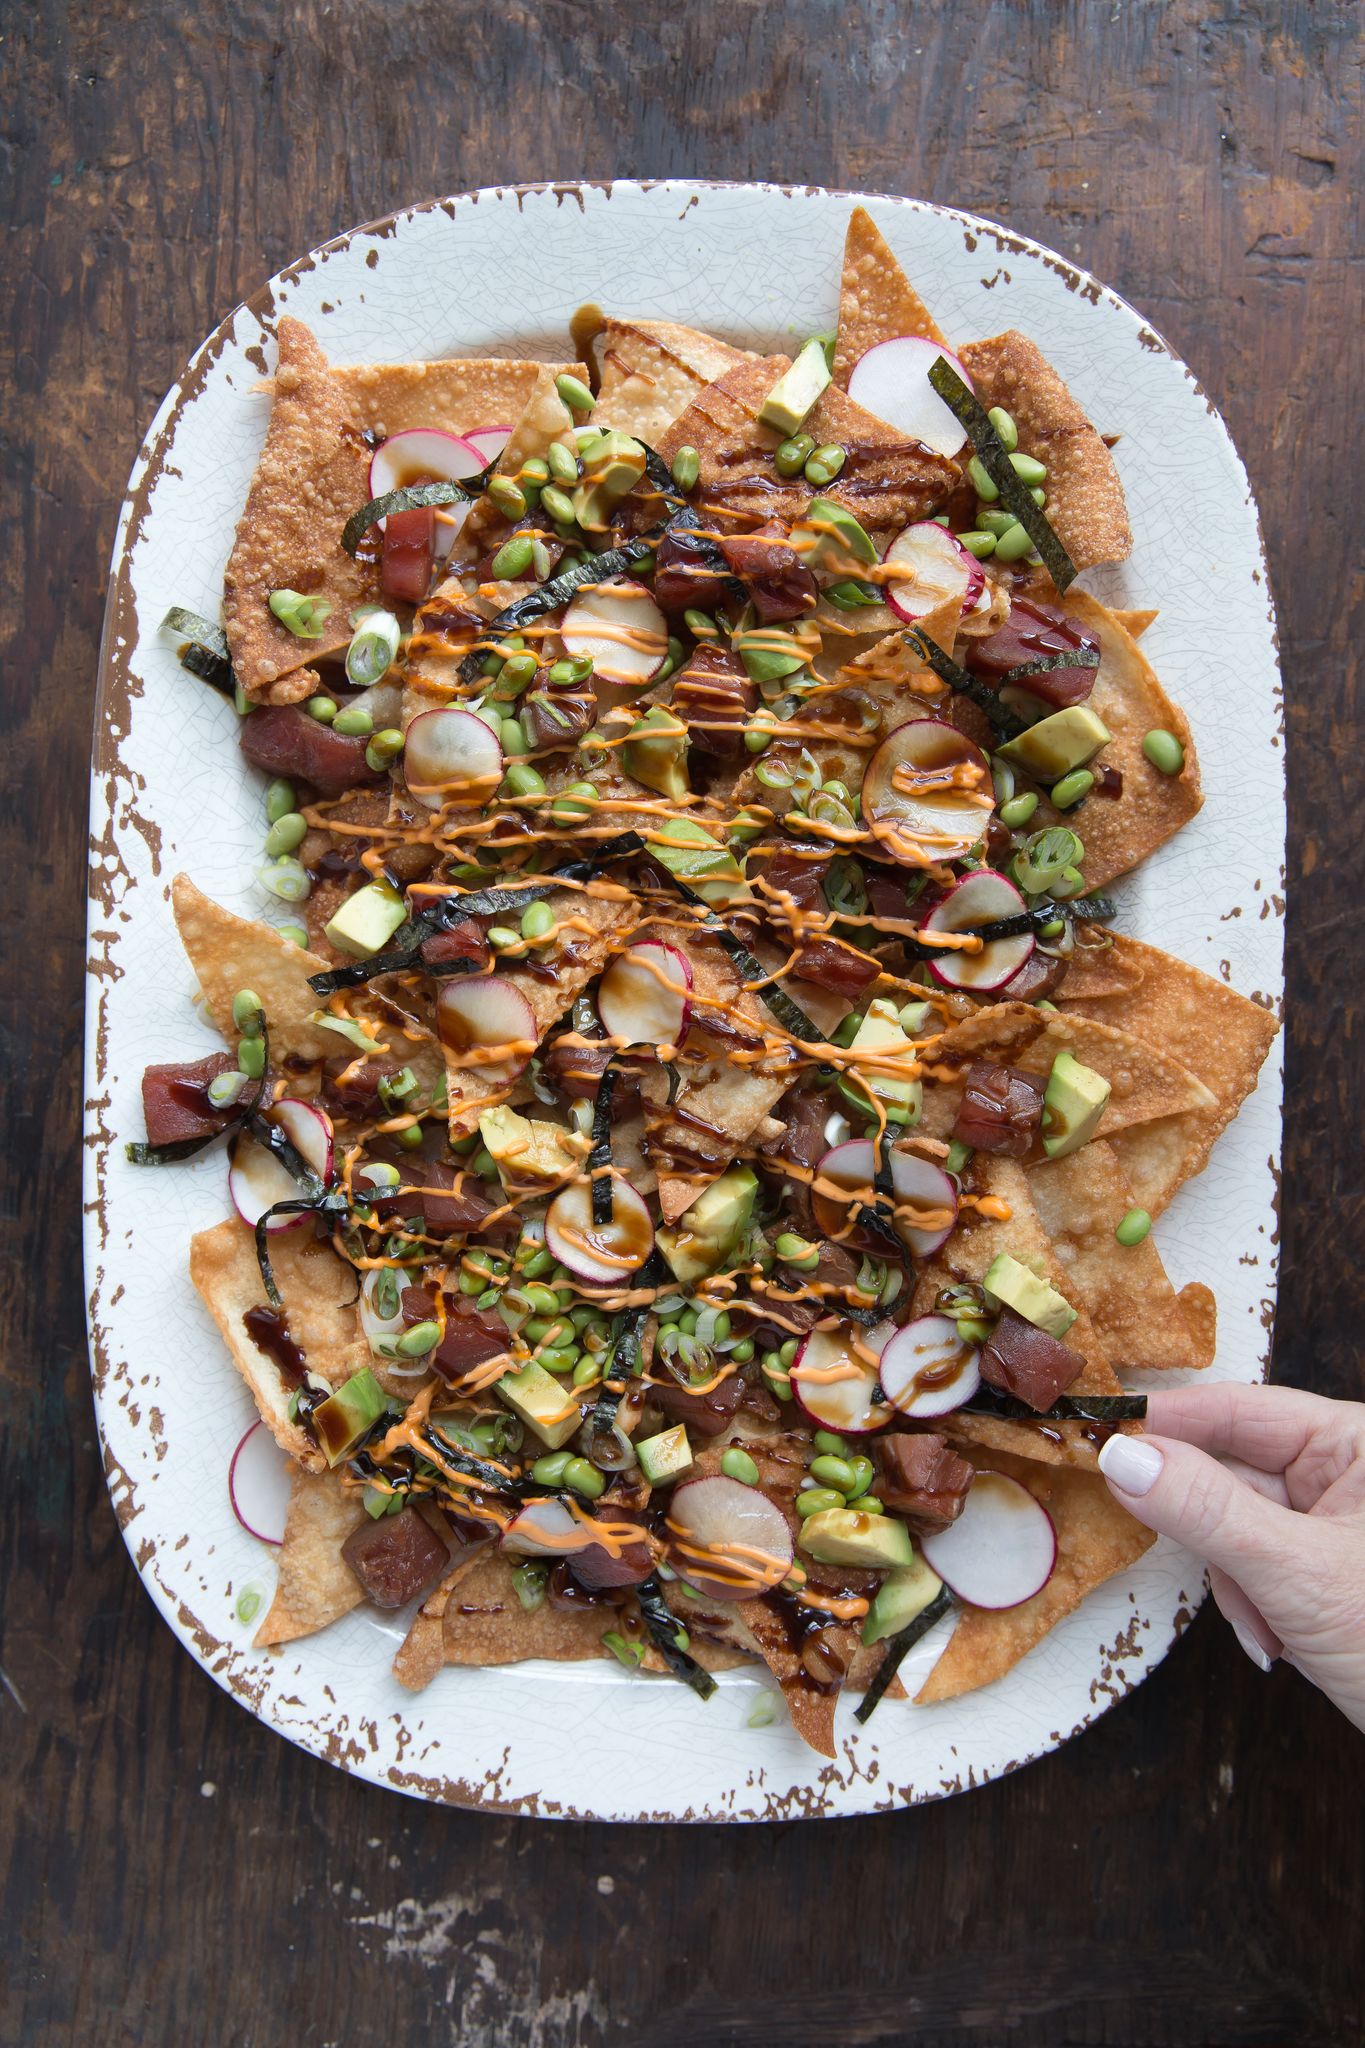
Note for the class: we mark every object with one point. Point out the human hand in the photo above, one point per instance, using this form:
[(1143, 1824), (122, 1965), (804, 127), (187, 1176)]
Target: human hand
[(1268, 1484)]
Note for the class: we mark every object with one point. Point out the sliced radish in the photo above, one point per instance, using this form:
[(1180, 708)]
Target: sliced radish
[(259, 1484), (926, 1369), (309, 1131), (544, 1528), (490, 441), (727, 1539), (1001, 1549), (451, 757), (845, 1174), (599, 1252), (642, 997), (919, 792), (834, 1387), (892, 381), (931, 567), (621, 628), (980, 899), (486, 1015), (422, 455)]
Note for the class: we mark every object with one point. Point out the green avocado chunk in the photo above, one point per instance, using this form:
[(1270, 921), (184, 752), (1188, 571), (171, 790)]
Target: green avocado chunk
[(542, 1402), (1056, 745), (1073, 1103), (1033, 1299), (712, 1227), (665, 1457), (345, 1416), (796, 391), (848, 1536), (656, 753), (367, 921), (902, 1595), (688, 850)]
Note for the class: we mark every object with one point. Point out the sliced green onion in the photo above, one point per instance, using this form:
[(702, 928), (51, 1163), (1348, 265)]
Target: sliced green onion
[(303, 616), (373, 649)]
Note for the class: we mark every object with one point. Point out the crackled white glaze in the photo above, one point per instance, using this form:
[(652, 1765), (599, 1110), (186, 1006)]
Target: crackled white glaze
[(760, 265)]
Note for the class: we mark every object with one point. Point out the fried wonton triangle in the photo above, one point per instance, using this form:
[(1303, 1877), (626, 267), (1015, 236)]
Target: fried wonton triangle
[(457, 396), (877, 301), (1098, 971), (318, 1292), (1220, 1035), (315, 1585), (422, 1651), (1085, 504), (1141, 1320), (312, 475), (886, 482), (1145, 1081), (1058, 1441), (486, 1623), (1095, 1539), (1131, 702), (652, 369)]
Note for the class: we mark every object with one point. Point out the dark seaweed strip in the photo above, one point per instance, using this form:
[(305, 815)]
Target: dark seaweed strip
[(409, 499), (205, 653), (599, 1159), (1079, 657), (626, 1358), (1006, 722), (1069, 1408), (789, 1014), (663, 1626), (1091, 909), (897, 1650), (879, 1217), (558, 591), (994, 457)]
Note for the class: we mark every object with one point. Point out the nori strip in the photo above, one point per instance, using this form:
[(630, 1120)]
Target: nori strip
[(599, 1159), (994, 458), (1080, 657), (1068, 1408), (663, 1626), (550, 596), (874, 1216), (789, 1014), (626, 1354), (205, 653), (897, 1650), (409, 499), (1092, 909), (1006, 722)]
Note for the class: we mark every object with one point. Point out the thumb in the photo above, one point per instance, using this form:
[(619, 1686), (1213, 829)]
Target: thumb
[(1181, 1492)]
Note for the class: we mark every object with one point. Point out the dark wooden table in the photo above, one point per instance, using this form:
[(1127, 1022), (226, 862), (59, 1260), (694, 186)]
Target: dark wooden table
[(1193, 1870)]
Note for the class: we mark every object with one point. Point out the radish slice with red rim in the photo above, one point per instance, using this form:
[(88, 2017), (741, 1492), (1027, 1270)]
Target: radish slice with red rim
[(257, 1180), (599, 1252), (918, 1185), (451, 757), (309, 1131), (980, 898), (926, 1369), (1001, 1549), (892, 381), (260, 1479), (835, 1388), (727, 1539), (427, 455), (544, 1528), (481, 1017), (489, 442), (921, 792), (931, 568), (621, 628), (642, 997)]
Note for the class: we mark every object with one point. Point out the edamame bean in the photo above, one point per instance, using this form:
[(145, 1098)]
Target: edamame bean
[(824, 463), (835, 1472), (1013, 544), (410, 1137), (523, 780), (700, 625), (279, 799), (686, 468), (1132, 1228), (558, 504), (787, 1352), (355, 722), (512, 737), (537, 922), (541, 1300), (584, 1478), (384, 748), (563, 463), (246, 1012), (982, 481), (1164, 751), (558, 1358), (550, 1470), (737, 1464), (502, 938), (1072, 788), (513, 558), (517, 671), (324, 709), (507, 496), (421, 1338), (1028, 469), (979, 544), (742, 1352), (586, 1370), (867, 1504), (790, 459), (251, 1057), (1004, 427), (995, 521), (797, 1252), (972, 1331), (864, 1472), (833, 1446), (538, 1264), (578, 398), (816, 1499), (295, 934)]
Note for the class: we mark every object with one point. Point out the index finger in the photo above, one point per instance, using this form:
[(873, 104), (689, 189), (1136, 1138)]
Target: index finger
[(1268, 1427)]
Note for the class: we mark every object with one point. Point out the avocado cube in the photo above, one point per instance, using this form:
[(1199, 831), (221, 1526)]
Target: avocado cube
[(1032, 1298), (712, 1227), (524, 1150), (796, 391), (1074, 1101), (367, 921), (881, 1032), (1056, 745), (348, 1414), (656, 753), (542, 1402), (902, 1595), (689, 851), (848, 1536), (665, 1457)]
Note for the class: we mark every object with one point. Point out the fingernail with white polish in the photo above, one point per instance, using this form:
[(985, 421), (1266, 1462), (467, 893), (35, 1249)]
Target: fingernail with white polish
[(1130, 1464), (1251, 1646)]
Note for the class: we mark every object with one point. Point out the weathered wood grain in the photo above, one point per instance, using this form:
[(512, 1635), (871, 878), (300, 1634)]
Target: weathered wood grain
[(1193, 1870)]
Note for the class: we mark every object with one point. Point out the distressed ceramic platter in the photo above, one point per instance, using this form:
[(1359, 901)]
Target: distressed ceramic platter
[(759, 265)]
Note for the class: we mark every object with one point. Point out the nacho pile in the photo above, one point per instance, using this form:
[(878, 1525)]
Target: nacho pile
[(693, 1127)]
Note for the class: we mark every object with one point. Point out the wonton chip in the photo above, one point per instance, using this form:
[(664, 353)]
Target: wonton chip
[(1098, 971), (1085, 504), (313, 474), (1145, 1082), (887, 481), (877, 301), (315, 1585), (1058, 1441), (422, 1651), (487, 1624), (457, 396), (1141, 1320), (651, 370), (1119, 832), (1221, 1036), (318, 1291), (1095, 1539)]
